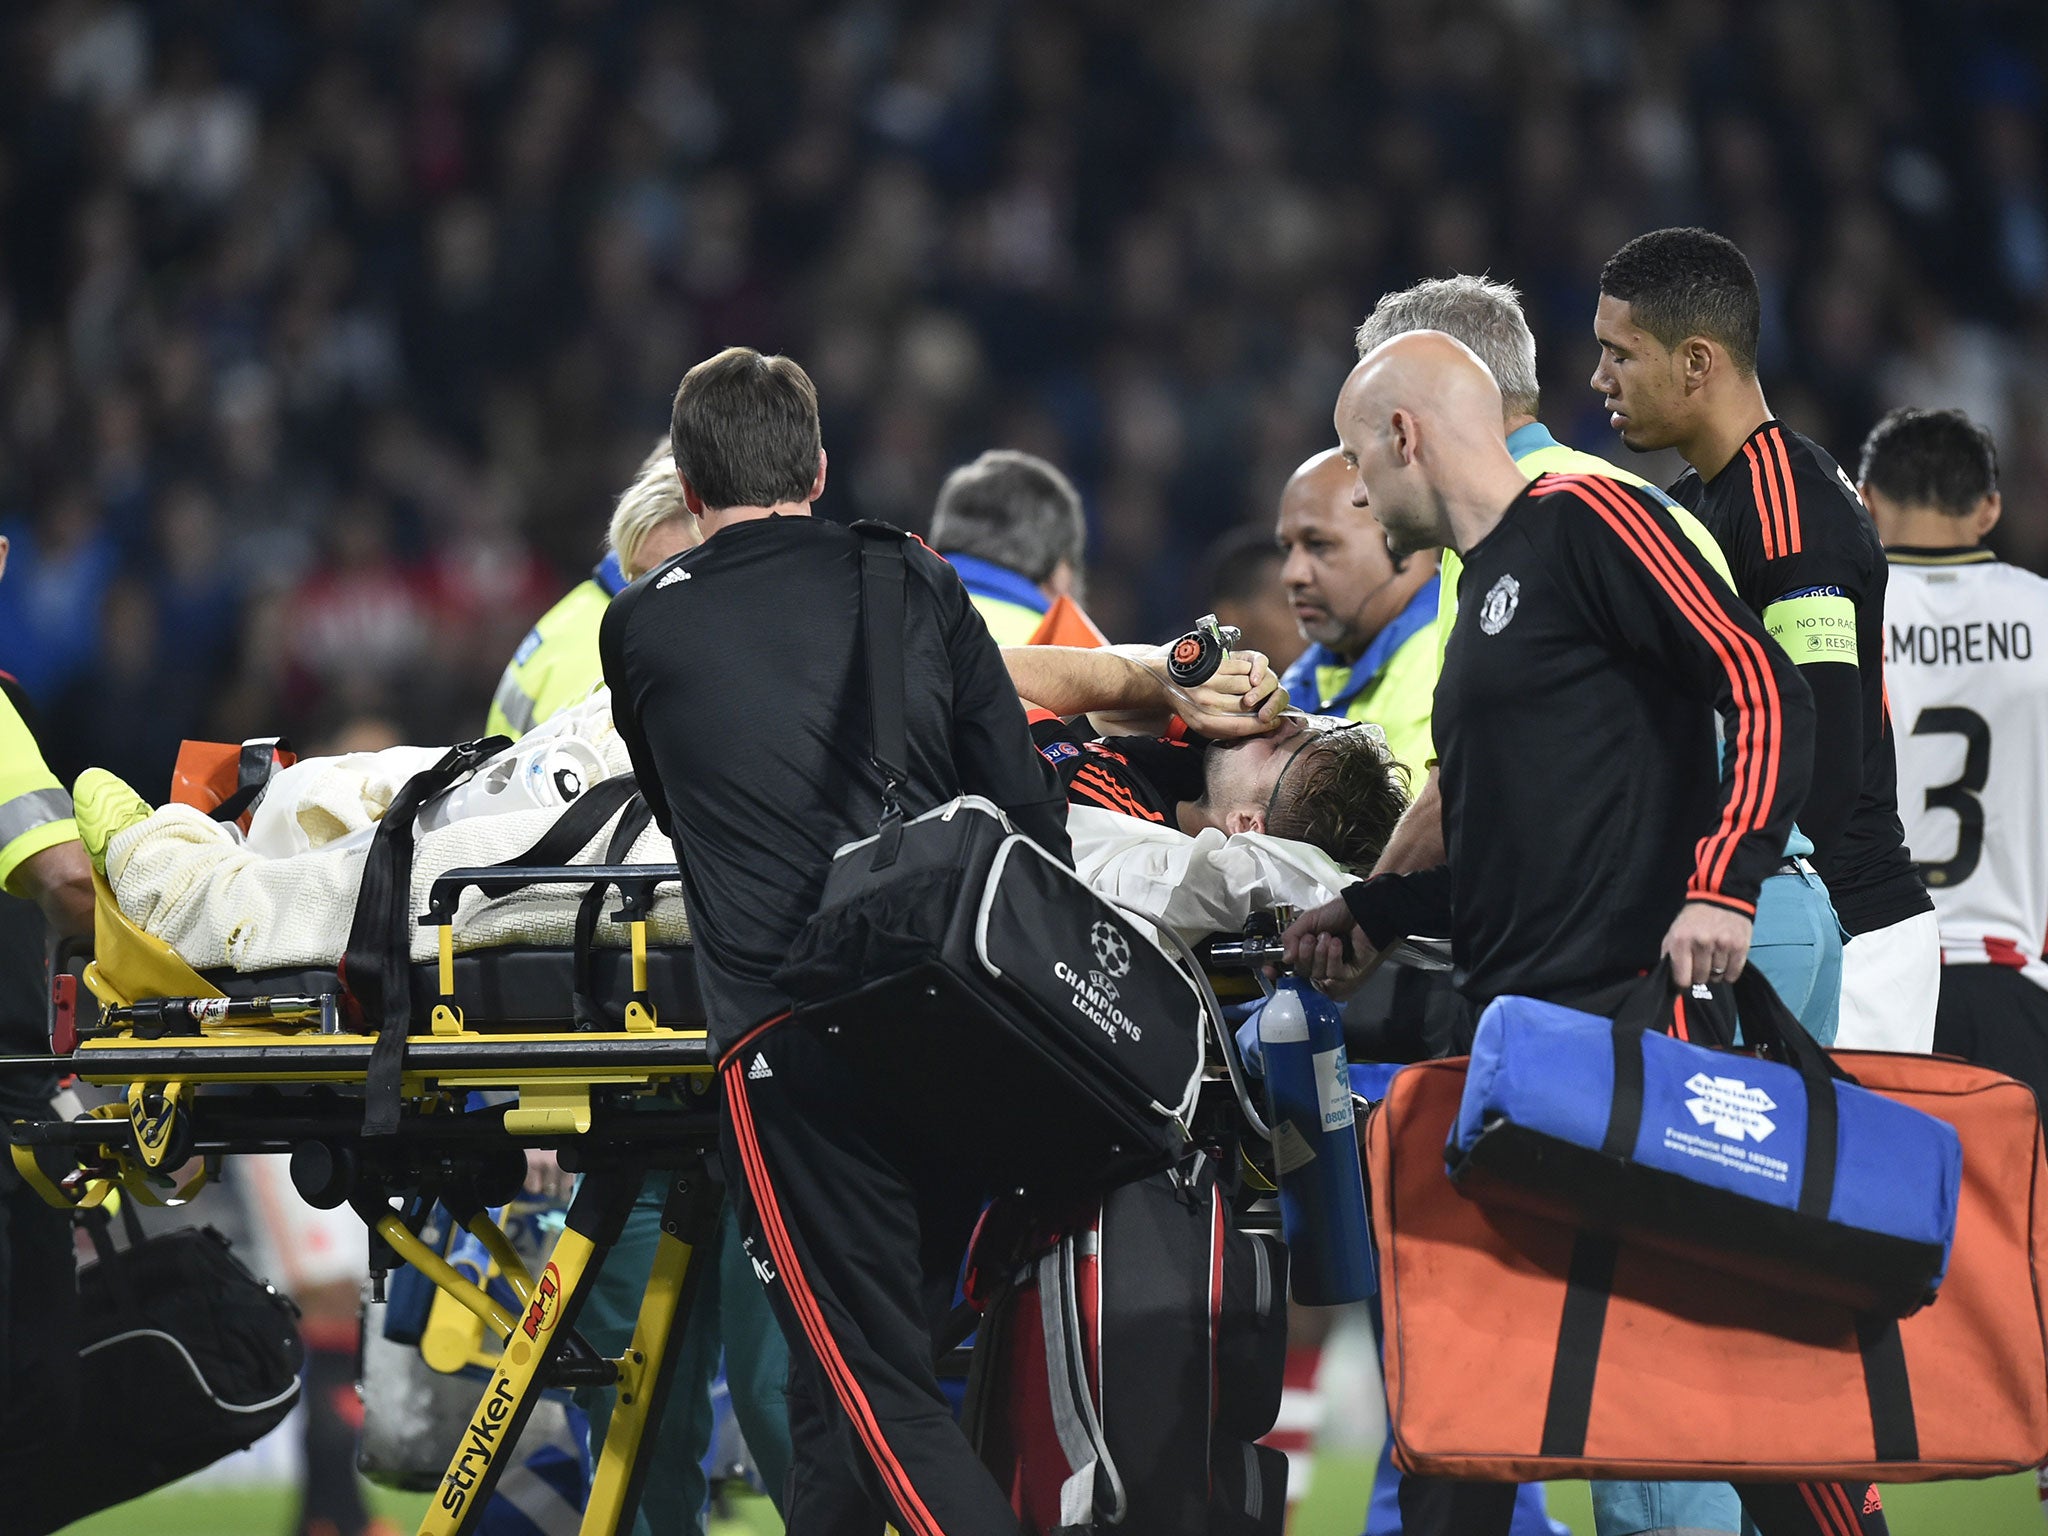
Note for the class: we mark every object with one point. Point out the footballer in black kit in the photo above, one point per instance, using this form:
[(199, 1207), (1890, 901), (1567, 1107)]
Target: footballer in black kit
[(1149, 777), (1678, 323), (1805, 555)]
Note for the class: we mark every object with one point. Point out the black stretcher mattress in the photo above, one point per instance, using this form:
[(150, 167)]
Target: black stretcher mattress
[(515, 986)]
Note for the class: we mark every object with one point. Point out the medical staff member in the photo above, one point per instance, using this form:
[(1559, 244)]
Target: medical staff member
[(48, 881), (1369, 622), (556, 666), (1796, 941), (1011, 525)]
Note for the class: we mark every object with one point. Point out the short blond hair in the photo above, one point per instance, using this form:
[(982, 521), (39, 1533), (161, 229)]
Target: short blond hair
[(655, 497)]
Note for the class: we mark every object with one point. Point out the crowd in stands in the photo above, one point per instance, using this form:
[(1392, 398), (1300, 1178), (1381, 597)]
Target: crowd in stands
[(329, 330)]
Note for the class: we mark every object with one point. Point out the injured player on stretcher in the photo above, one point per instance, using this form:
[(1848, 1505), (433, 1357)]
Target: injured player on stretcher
[(1196, 832)]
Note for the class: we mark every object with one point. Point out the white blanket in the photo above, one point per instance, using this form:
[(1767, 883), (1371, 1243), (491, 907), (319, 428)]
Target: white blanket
[(221, 903), (1198, 885)]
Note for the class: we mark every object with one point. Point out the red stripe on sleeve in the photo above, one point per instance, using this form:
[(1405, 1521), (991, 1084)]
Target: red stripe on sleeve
[(1101, 786), (1033, 715), (1777, 440), (1752, 801), (1748, 671), (1765, 502), (1756, 741)]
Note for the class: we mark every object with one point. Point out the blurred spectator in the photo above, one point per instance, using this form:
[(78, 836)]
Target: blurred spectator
[(1241, 586), (448, 258)]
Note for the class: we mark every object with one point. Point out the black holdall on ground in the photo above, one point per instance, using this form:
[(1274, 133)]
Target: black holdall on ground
[(1042, 1032), (1126, 1369), (184, 1357)]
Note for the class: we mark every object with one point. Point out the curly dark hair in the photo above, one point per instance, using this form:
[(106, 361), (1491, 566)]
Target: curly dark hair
[(1689, 282), (1344, 796), (1938, 459)]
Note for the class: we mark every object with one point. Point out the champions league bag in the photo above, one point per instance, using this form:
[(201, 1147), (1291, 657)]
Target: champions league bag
[(184, 1357), (1789, 1173), (1040, 1031)]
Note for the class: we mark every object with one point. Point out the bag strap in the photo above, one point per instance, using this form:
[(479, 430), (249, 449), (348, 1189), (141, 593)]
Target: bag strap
[(376, 967), (882, 580), (1582, 1329), (1766, 1023), (1894, 1432)]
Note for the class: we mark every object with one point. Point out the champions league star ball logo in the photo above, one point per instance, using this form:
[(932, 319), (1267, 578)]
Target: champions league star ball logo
[(1112, 950), (1499, 606)]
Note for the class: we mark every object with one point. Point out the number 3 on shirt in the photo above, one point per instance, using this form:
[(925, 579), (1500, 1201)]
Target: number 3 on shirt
[(1960, 793)]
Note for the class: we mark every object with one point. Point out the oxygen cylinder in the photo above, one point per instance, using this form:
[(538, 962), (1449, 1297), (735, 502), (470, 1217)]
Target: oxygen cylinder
[(1315, 1144)]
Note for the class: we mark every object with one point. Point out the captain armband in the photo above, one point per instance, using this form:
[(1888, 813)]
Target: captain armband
[(1814, 624)]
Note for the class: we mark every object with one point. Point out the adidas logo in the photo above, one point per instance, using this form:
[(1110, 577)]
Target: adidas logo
[(674, 576), (759, 1068)]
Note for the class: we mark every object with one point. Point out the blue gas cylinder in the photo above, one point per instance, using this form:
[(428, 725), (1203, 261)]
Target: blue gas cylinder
[(1315, 1145)]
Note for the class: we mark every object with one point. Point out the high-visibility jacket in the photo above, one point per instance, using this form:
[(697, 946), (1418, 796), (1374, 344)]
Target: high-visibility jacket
[(557, 664), (1010, 604), (1392, 683), (35, 810)]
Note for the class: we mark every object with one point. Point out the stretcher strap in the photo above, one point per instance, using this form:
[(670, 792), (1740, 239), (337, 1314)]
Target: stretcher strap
[(633, 821), (376, 968), (1582, 1328), (576, 826)]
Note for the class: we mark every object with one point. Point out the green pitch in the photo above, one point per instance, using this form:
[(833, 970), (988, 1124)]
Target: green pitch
[(2003, 1507)]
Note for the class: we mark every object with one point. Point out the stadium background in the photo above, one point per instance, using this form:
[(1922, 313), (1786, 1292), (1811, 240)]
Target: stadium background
[(329, 329)]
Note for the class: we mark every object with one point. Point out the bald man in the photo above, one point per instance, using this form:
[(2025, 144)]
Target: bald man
[(1588, 831), (1575, 712), (1371, 655)]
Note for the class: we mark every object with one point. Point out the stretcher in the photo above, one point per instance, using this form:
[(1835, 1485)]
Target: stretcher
[(602, 1058), (598, 1055)]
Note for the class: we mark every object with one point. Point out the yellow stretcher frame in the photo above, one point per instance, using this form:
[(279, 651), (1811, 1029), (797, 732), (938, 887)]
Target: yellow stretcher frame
[(537, 1340), (559, 1079)]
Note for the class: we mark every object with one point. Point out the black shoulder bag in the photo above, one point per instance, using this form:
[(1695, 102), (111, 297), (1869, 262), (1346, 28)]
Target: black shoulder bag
[(1019, 1019), (184, 1357)]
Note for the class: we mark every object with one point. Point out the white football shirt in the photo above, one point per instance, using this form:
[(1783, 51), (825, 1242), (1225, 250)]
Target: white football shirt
[(1966, 652)]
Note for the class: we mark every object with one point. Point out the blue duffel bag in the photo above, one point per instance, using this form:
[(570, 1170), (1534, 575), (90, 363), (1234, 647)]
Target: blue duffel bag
[(1780, 1170)]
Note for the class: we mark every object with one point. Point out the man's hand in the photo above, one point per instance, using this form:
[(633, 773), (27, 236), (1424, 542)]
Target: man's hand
[(1242, 698), (547, 1178), (1707, 943), (1328, 947)]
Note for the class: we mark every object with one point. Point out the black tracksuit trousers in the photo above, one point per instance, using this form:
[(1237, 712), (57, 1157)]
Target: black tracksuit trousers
[(859, 1234)]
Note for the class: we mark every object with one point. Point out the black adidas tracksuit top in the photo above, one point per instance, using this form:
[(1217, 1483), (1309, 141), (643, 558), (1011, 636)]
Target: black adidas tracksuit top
[(738, 684), (1575, 724)]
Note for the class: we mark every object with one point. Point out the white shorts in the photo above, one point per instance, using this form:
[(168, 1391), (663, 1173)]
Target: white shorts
[(1891, 982)]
